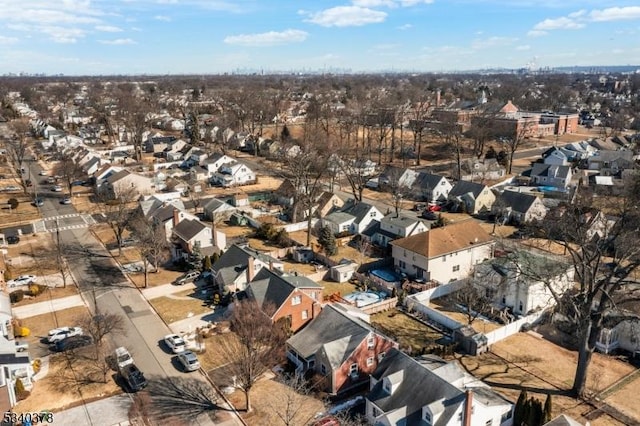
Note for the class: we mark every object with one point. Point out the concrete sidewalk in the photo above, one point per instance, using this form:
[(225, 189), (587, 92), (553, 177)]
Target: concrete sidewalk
[(165, 290), (48, 306)]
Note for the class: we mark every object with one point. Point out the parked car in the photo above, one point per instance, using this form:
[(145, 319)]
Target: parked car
[(71, 342), (123, 357), (187, 278), (66, 200), (133, 377), (21, 280), (175, 343), (13, 239), (50, 179), (21, 346), (189, 361), (56, 188), (43, 173), (434, 208), (38, 202), (63, 333), (429, 215)]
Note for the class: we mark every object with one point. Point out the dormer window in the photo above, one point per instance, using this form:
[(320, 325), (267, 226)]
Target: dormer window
[(386, 386), (427, 417)]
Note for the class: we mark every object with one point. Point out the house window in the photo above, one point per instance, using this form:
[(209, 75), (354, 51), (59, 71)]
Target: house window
[(369, 361), (386, 386), (353, 369), (375, 411), (372, 214), (296, 300), (489, 422), (456, 268), (402, 264), (381, 356), (371, 341), (323, 369), (520, 306), (305, 314), (427, 418)]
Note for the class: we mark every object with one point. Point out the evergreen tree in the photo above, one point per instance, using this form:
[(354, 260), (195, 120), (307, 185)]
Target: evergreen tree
[(327, 241), (285, 135), (206, 263), (518, 410), (534, 415), (214, 258), (548, 408)]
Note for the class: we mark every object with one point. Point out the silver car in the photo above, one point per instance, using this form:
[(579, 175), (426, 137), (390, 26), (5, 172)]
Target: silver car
[(189, 361)]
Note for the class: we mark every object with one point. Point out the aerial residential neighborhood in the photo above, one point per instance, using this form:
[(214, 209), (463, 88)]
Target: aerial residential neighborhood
[(174, 253)]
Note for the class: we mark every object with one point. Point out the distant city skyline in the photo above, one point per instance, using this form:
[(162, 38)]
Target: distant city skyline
[(103, 37)]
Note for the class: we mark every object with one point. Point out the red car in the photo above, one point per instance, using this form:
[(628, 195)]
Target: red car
[(434, 208)]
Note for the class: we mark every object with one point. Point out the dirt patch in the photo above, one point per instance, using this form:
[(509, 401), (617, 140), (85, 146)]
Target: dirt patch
[(448, 309), (408, 332), (179, 306), (58, 390)]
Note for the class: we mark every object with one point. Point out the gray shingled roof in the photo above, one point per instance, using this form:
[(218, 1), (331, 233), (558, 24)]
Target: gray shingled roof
[(550, 170), (414, 376), (518, 201), (234, 262), (463, 187), (360, 210), (336, 333), (188, 228), (269, 287)]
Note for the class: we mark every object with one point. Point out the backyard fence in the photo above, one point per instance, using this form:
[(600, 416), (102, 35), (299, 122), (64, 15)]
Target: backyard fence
[(511, 328), (381, 306)]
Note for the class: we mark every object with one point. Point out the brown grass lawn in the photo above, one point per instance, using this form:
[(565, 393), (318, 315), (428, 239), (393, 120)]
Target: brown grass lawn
[(41, 324), (405, 330), (527, 360), (330, 287), (50, 293), (446, 308), (212, 357), (269, 399), (300, 268), (104, 233), (58, 390), (178, 307), (622, 399), (163, 276), (25, 211)]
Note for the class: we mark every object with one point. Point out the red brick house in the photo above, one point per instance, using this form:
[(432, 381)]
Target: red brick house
[(295, 299), (340, 347)]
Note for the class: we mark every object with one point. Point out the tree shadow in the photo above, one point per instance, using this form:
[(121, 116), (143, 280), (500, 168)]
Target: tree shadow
[(185, 398)]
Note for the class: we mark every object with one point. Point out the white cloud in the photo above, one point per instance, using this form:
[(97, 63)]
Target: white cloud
[(405, 27), (270, 38), (492, 42), (7, 40), (118, 41), (563, 23), (389, 3), (162, 18), (346, 16), (537, 33), (523, 47), (615, 14), (577, 14), (108, 28)]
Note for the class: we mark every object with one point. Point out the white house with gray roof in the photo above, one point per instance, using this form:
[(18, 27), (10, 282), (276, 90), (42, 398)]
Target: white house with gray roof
[(392, 227), (430, 391), (354, 217), (239, 265)]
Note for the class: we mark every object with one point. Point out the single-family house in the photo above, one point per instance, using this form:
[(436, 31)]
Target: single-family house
[(294, 300), (481, 170), (611, 163), (431, 188), (165, 213), (233, 174), (471, 197), (92, 166), (523, 281), (579, 150), (430, 391), (519, 207), (354, 218), (239, 265), (124, 182), (106, 170), (198, 173), (392, 227), (443, 254), (14, 365), (198, 157), (555, 156), (328, 202), (190, 235), (157, 143), (173, 147), (214, 161), (217, 209), (550, 175), (340, 347)]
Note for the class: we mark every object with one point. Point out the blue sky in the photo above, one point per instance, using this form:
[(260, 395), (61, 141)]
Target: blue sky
[(102, 37)]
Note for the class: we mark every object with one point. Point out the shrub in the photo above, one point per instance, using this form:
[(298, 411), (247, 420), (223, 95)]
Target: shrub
[(16, 296), (35, 289), (21, 332), (37, 364), (21, 392), (13, 202)]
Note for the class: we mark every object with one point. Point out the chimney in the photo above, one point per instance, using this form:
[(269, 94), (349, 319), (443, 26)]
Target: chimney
[(468, 408), (176, 217), (250, 269)]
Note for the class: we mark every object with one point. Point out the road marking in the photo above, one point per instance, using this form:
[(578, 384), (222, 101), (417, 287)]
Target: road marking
[(43, 226)]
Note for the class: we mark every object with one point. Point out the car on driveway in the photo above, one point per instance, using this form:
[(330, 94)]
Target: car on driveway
[(133, 377), (43, 173), (189, 277), (56, 188), (71, 342), (21, 346), (38, 202), (189, 361), (429, 215), (50, 179), (123, 357), (58, 334), (66, 200), (175, 343), (21, 280)]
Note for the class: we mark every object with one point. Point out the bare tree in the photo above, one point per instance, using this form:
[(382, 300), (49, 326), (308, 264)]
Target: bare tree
[(396, 187), (514, 141), (17, 146), (352, 166), (257, 346), (602, 292), (133, 111), (118, 211), (290, 404), (418, 124), (179, 399), (69, 171), (152, 243), (453, 139), (471, 301)]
